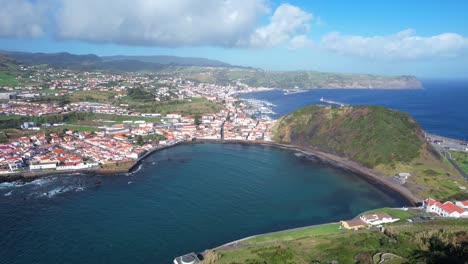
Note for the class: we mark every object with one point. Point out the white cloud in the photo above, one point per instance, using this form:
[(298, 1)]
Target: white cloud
[(402, 45), (160, 23), (22, 18), (288, 26), (225, 23)]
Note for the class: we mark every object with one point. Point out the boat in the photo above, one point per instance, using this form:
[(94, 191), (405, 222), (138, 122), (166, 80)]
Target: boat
[(293, 91)]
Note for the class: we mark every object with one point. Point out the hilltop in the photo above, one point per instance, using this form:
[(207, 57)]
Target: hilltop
[(384, 140), (214, 71)]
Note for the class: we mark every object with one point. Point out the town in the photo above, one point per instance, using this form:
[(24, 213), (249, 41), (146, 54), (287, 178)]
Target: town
[(66, 123)]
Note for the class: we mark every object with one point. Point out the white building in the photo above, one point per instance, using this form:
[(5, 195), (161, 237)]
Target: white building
[(43, 166), (447, 209), (378, 219)]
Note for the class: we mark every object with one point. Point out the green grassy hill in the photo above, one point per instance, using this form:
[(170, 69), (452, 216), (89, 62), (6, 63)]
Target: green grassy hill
[(437, 241), (385, 140), (371, 135), (8, 71)]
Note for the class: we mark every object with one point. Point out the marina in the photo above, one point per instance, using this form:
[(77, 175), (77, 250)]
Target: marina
[(259, 108)]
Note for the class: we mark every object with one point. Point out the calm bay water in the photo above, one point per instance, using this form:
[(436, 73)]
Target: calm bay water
[(186, 198), (440, 108)]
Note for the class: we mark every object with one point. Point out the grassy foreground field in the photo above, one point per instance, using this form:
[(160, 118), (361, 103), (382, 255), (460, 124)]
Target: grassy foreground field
[(439, 241)]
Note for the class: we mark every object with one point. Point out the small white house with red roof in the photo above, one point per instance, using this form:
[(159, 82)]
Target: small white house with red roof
[(447, 209)]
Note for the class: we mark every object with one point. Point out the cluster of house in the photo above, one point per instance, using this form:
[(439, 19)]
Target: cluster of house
[(243, 127), (368, 220), (219, 126), (28, 109), (96, 108), (459, 209), (74, 151), (79, 150)]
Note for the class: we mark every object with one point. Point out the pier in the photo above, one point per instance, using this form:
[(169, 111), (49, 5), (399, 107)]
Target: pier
[(332, 102)]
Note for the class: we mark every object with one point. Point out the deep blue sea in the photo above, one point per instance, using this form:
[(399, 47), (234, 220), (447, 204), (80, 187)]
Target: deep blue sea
[(440, 108), (183, 199)]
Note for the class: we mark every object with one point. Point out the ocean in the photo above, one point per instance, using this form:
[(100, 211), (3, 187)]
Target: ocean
[(440, 108), (182, 199)]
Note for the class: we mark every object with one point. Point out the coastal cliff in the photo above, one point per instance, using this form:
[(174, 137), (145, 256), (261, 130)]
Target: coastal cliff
[(384, 140)]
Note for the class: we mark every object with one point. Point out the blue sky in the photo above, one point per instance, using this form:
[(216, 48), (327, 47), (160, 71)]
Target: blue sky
[(428, 39)]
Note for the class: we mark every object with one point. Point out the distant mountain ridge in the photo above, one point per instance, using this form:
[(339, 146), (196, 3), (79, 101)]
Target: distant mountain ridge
[(137, 63), (214, 71), (171, 60)]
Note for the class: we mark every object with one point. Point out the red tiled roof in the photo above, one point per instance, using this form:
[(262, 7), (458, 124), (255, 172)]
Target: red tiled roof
[(430, 201), (449, 207)]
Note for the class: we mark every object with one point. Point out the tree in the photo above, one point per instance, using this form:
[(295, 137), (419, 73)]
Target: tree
[(197, 120), (139, 140)]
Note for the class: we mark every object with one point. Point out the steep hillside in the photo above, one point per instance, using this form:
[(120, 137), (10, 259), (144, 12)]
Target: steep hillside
[(385, 140), (371, 135)]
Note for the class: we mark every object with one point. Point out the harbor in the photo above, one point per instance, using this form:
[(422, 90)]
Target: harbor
[(259, 108)]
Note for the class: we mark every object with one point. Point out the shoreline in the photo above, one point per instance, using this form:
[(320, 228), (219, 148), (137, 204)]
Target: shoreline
[(333, 160)]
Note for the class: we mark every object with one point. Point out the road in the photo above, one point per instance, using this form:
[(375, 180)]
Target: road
[(455, 165)]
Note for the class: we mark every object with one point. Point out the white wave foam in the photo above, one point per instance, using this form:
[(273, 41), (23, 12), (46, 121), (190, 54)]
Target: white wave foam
[(5, 185), (59, 190), (138, 169), (8, 193), (40, 182)]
